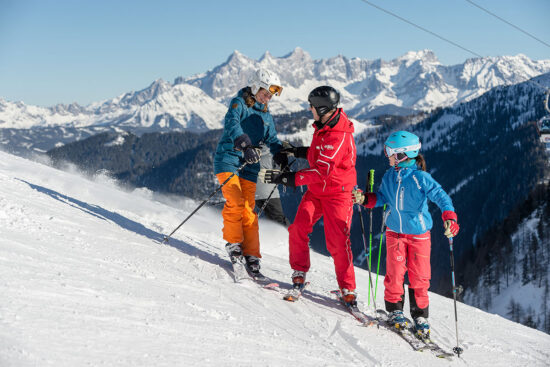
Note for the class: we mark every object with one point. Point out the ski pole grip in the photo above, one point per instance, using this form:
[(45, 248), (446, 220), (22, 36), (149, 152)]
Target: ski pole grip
[(370, 187)]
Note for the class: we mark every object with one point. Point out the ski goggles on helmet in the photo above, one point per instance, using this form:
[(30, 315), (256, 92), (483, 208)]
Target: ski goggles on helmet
[(388, 151), (275, 90)]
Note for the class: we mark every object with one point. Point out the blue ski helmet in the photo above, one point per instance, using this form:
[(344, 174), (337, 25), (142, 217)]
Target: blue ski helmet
[(402, 142)]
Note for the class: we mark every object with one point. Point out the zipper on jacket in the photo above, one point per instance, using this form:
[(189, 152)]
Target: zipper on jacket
[(401, 198), (397, 201)]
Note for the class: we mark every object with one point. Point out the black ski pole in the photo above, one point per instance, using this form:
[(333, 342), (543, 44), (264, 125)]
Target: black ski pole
[(457, 350), (287, 168), (166, 238)]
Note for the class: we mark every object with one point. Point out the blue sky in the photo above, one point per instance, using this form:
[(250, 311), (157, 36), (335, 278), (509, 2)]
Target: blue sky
[(84, 51)]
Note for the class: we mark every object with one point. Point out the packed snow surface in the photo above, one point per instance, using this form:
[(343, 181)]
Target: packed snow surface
[(85, 281)]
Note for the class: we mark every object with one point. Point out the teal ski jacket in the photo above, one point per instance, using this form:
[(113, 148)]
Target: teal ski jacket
[(254, 122)]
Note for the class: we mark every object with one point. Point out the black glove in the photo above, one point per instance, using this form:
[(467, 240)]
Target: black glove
[(281, 159), (275, 176), (252, 155), (242, 141), (298, 152)]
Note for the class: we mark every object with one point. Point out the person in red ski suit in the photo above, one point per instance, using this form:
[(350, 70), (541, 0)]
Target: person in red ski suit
[(330, 179)]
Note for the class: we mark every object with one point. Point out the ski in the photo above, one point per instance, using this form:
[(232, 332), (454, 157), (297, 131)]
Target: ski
[(295, 293), (239, 268), (240, 273), (359, 315), (415, 342), (262, 280), (406, 334), (434, 347)]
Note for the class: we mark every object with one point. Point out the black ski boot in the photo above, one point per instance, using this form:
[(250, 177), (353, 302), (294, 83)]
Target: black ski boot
[(235, 251), (253, 267)]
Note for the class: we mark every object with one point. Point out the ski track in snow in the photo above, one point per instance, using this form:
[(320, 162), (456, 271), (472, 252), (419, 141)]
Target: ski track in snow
[(86, 281)]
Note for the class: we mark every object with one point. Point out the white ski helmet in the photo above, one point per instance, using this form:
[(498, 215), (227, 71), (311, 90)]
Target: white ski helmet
[(267, 80)]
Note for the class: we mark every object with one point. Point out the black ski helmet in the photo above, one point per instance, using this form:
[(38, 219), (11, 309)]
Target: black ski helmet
[(324, 99)]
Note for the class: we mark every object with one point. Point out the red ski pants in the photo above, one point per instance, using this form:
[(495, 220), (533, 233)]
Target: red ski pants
[(240, 222), (336, 211), (407, 252)]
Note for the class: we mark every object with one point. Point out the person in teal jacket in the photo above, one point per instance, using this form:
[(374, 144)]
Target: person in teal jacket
[(248, 126), (406, 188)]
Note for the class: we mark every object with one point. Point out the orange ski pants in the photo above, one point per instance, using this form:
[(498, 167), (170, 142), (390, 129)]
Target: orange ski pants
[(240, 222)]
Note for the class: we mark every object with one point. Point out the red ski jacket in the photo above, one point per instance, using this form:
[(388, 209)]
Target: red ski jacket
[(331, 156)]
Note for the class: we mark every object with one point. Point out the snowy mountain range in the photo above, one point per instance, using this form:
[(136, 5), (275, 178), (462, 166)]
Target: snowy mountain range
[(161, 106), (414, 81), (86, 282)]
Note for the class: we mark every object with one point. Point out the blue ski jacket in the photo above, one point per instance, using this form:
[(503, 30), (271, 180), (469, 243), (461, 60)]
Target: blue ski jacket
[(254, 122), (406, 191)]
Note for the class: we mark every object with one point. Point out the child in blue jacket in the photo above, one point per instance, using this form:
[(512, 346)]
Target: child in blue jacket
[(405, 189)]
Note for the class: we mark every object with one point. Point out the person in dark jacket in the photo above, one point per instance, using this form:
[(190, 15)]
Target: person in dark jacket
[(330, 179), (248, 125)]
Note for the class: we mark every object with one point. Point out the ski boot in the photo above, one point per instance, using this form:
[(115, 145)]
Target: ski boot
[(298, 279), (235, 251), (397, 320), (298, 286), (422, 328), (349, 296), (253, 267)]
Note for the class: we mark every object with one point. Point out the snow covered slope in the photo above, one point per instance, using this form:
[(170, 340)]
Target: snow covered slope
[(84, 281)]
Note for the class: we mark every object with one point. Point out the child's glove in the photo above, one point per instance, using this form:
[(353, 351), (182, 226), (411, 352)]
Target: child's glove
[(450, 223)]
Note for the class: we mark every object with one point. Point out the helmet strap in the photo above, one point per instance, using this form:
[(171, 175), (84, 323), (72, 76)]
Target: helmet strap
[(331, 121), (399, 158)]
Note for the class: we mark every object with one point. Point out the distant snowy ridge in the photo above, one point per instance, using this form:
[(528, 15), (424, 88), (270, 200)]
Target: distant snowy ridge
[(161, 106), (414, 81)]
